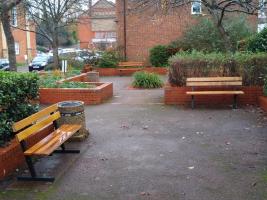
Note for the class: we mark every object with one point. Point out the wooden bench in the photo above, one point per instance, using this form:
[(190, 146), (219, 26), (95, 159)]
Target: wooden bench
[(214, 82), (46, 146), (131, 64)]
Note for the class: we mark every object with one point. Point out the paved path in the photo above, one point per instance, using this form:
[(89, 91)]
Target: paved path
[(142, 149)]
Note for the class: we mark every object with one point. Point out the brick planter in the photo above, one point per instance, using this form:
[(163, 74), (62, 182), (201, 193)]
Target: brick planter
[(130, 71), (11, 157), (263, 103), (177, 96), (89, 96)]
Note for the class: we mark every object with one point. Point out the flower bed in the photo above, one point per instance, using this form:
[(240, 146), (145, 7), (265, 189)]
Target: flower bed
[(130, 71), (177, 96), (94, 95)]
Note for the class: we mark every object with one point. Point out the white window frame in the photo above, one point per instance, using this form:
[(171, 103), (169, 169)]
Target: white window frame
[(17, 49), (14, 17), (192, 7)]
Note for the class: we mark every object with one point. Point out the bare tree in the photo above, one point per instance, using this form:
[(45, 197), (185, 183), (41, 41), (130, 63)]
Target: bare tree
[(5, 10), (51, 15), (217, 9)]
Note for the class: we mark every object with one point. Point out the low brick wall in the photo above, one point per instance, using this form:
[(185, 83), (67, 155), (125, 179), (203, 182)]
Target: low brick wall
[(89, 96), (11, 157), (130, 71), (263, 103), (177, 96)]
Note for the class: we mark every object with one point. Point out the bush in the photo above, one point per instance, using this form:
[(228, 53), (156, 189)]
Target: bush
[(159, 56), (258, 42), (146, 80), (252, 67), (109, 59), (265, 86), (16, 92), (205, 36)]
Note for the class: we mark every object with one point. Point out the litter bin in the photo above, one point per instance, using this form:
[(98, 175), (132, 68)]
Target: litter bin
[(93, 76), (72, 112)]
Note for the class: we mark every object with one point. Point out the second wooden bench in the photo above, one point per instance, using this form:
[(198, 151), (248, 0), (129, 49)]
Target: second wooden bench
[(214, 82)]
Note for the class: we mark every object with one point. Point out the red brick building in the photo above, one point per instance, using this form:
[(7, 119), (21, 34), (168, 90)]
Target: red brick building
[(25, 41), (97, 28), (138, 30)]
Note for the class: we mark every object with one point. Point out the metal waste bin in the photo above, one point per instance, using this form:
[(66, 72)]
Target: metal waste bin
[(72, 112), (93, 76)]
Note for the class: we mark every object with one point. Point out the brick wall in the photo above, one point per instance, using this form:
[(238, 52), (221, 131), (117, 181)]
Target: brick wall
[(20, 37), (177, 96), (149, 28), (85, 33)]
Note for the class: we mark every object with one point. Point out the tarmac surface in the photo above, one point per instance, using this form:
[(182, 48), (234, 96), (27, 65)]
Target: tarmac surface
[(139, 148)]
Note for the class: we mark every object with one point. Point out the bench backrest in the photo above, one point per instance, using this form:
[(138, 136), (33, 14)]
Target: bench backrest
[(35, 122), (131, 64), (214, 81)]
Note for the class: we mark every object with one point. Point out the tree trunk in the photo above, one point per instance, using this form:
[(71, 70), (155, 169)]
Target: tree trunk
[(227, 41), (218, 23), (5, 19)]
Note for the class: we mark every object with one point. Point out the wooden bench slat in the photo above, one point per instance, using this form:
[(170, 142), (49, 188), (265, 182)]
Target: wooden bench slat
[(131, 64), (50, 143), (214, 92), (226, 83), (45, 140), (33, 118), (212, 79), (38, 126)]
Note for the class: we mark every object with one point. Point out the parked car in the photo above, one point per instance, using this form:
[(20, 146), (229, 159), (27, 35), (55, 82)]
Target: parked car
[(4, 64), (40, 62), (86, 56)]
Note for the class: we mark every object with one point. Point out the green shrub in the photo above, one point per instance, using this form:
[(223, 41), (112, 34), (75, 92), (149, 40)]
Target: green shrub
[(252, 67), (159, 56), (109, 59), (146, 80), (265, 86), (205, 36), (16, 92), (258, 42)]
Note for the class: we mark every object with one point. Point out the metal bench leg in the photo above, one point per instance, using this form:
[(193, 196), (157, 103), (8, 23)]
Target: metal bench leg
[(33, 176), (235, 102), (64, 150), (192, 102)]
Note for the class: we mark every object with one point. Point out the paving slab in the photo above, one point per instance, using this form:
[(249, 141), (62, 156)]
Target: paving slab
[(140, 148)]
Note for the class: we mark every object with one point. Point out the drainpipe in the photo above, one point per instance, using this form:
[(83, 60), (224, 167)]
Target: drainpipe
[(90, 7), (124, 29)]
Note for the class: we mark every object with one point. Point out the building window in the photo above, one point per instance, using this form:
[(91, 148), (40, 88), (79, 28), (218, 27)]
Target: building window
[(262, 10), (196, 7), (14, 20), (105, 35), (17, 48)]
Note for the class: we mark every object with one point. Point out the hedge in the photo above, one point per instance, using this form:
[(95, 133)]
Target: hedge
[(16, 92), (251, 66)]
